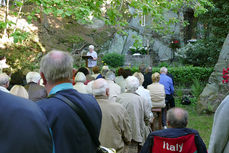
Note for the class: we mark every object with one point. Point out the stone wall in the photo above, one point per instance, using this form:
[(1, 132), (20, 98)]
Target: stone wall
[(159, 45), (215, 91)]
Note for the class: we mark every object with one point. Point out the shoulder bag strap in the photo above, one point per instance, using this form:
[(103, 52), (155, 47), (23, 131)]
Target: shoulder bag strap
[(81, 114)]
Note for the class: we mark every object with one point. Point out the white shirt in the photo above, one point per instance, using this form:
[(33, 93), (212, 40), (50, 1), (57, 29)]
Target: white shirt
[(91, 62)]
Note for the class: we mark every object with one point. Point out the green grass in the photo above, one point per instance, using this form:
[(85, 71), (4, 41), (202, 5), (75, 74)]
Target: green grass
[(200, 122)]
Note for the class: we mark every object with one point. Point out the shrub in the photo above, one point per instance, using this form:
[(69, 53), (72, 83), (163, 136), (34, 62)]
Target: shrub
[(183, 76), (113, 59), (197, 87), (201, 53)]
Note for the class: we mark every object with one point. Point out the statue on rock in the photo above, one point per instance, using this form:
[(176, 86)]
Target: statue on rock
[(216, 89)]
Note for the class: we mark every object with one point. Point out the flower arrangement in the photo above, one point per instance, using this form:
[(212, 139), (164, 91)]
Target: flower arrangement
[(225, 75), (174, 44)]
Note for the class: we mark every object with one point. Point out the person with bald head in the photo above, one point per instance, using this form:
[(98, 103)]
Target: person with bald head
[(177, 121), (115, 130), (69, 130)]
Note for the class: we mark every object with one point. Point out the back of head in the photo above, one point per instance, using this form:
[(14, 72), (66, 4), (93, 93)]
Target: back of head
[(177, 118), (127, 73), (148, 70), (155, 77), (80, 77), (84, 70), (104, 70), (100, 87), (57, 66), (163, 70), (96, 69), (110, 75), (33, 77), (120, 71), (140, 77), (4, 79), (20, 91), (142, 69), (132, 84)]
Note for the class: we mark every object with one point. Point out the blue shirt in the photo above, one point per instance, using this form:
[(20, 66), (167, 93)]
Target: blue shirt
[(60, 87), (168, 84)]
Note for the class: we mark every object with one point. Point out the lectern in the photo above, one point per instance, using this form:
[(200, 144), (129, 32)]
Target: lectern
[(86, 59)]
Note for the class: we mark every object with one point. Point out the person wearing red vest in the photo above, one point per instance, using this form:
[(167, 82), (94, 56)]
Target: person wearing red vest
[(177, 138)]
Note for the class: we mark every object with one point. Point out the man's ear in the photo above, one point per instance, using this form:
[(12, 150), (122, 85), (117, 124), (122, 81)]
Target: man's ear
[(167, 122), (43, 78), (74, 71)]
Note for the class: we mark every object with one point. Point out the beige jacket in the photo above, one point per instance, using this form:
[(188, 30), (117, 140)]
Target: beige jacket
[(81, 87), (134, 106), (114, 90), (115, 129), (121, 82), (157, 93)]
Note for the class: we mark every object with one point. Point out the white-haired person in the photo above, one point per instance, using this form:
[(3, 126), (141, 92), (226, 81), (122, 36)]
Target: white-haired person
[(134, 106), (115, 130), (169, 88), (4, 82), (35, 91), (92, 62), (20, 91), (157, 92), (114, 88), (80, 79), (147, 104)]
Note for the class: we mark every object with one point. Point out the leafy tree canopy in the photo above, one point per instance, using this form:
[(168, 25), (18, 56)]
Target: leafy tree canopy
[(117, 12)]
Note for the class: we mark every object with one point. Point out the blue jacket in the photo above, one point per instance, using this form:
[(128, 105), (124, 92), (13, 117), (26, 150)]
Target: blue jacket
[(23, 126), (168, 84), (174, 133), (69, 132)]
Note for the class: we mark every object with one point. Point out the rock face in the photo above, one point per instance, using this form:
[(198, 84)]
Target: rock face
[(215, 91), (159, 45)]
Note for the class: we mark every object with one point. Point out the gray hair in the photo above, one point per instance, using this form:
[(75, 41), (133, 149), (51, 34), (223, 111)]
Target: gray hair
[(91, 47), (33, 77), (100, 87), (140, 77), (110, 75), (80, 77), (163, 70), (4, 79), (57, 66), (177, 118), (132, 84)]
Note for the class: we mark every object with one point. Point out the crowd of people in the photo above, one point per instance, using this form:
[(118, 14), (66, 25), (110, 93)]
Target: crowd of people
[(77, 111)]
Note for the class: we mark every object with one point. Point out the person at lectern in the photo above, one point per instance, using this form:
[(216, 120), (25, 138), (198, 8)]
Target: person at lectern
[(92, 62)]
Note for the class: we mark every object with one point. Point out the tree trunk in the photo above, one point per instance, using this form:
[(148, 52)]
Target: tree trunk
[(18, 15), (6, 19)]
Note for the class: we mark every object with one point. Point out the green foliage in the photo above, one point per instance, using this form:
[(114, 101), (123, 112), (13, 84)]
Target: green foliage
[(197, 88), (2, 25), (179, 93), (19, 36), (183, 76), (118, 13), (113, 59), (201, 53)]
